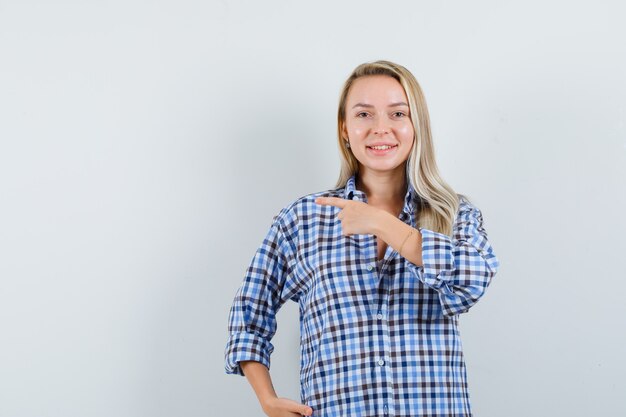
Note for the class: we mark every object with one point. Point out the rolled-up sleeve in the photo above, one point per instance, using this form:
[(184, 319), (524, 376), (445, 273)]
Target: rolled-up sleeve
[(459, 268), (252, 317)]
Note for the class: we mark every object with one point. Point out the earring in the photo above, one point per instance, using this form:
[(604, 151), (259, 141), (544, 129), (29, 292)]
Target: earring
[(347, 144)]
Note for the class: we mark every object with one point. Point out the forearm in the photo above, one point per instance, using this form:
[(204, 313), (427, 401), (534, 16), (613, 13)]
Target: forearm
[(394, 232), (259, 378)]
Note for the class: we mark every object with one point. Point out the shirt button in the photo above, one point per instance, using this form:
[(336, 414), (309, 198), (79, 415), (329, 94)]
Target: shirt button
[(379, 316), (370, 267), (385, 409), (381, 362)]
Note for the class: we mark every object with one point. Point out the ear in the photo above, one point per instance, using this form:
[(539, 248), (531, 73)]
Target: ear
[(344, 132)]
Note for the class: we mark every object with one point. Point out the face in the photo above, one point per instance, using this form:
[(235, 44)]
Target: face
[(378, 123)]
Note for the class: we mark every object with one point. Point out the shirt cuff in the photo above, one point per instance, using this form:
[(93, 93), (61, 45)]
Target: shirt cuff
[(437, 258), (246, 347), (438, 269)]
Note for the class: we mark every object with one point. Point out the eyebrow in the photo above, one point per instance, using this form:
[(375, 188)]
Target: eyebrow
[(401, 103)]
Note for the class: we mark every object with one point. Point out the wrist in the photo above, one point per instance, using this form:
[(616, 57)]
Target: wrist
[(266, 400), (380, 223)]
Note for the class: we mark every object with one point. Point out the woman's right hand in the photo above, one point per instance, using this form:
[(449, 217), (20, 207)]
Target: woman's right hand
[(273, 406), (284, 407)]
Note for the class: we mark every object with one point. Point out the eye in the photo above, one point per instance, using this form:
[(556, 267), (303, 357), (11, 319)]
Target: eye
[(361, 114), (399, 114)]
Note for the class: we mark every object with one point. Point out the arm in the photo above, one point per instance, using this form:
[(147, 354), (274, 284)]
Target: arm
[(458, 268), (259, 378), (394, 232), (252, 318), (268, 284)]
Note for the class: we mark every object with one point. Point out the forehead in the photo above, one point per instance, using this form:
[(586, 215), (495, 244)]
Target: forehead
[(376, 88)]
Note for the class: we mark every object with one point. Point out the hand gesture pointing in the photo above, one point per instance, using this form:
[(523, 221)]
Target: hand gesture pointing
[(356, 217)]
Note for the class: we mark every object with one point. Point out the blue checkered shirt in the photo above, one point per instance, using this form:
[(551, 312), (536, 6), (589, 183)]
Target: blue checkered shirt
[(377, 339)]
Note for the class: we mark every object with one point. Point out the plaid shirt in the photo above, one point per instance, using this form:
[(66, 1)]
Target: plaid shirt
[(376, 339)]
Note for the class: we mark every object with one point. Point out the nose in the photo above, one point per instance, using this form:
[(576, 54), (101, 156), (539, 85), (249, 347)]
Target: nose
[(381, 128)]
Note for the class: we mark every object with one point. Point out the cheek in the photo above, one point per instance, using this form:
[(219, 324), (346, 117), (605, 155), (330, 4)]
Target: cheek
[(356, 129), (406, 131)]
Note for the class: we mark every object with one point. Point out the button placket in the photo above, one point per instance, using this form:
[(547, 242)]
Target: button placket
[(383, 313)]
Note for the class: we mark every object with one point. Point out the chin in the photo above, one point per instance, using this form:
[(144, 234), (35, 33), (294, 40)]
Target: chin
[(382, 168)]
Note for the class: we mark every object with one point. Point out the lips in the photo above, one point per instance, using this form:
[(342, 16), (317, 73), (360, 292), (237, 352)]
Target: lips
[(381, 150), (382, 147)]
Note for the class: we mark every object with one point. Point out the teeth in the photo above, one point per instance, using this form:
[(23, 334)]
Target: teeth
[(383, 147)]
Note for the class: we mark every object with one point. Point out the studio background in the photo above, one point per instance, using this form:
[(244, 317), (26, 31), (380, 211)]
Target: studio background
[(145, 147)]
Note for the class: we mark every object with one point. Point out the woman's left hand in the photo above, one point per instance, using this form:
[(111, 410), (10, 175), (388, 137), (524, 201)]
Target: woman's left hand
[(356, 217)]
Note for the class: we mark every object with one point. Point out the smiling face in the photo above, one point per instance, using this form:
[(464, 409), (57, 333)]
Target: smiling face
[(378, 124)]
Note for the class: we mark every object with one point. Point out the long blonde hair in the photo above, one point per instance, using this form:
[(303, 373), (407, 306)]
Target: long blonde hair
[(439, 202)]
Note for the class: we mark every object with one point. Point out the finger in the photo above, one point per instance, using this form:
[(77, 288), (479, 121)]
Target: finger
[(296, 407), (331, 201)]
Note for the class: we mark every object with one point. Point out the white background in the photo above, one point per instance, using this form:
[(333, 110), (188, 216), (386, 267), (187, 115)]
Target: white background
[(146, 145)]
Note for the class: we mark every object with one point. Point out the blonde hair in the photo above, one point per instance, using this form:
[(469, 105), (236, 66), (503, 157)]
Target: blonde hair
[(439, 202)]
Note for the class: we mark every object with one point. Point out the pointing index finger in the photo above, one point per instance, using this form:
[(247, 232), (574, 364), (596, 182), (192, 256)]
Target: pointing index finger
[(331, 201)]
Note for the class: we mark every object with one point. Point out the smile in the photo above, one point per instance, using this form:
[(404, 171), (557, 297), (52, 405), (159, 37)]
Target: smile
[(381, 150), (382, 147)]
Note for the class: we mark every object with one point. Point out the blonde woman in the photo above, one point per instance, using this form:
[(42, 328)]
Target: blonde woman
[(381, 267)]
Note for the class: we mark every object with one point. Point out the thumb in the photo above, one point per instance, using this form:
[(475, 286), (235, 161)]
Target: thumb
[(305, 410), (300, 408)]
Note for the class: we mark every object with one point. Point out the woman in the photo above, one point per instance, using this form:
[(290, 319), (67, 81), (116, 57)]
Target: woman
[(381, 267)]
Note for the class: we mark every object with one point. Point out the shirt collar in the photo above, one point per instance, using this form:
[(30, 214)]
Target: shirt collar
[(410, 198)]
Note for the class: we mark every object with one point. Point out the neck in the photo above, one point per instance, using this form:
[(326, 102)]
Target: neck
[(388, 188)]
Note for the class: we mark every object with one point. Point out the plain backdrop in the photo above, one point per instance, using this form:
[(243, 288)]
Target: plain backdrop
[(146, 145)]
